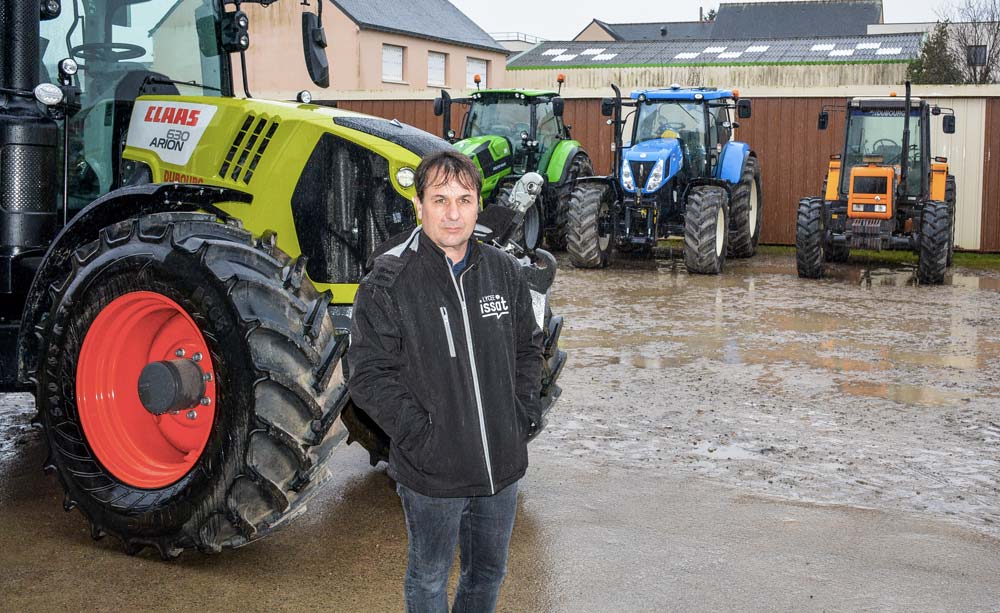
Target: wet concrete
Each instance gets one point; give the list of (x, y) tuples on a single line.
[(747, 441)]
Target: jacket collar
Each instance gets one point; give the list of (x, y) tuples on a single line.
[(427, 246)]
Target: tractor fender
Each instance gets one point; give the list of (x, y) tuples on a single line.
[(559, 162), (731, 163), (118, 205)]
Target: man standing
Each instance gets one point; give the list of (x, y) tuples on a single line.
[(446, 357)]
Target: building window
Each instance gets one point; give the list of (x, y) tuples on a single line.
[(976, 55), (392, 63), (473, 67), (436, 68)]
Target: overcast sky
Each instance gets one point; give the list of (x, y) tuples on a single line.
[(563, 19)]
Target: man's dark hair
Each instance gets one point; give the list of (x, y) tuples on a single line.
[(444, 166)]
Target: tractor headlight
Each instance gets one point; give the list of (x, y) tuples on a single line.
[(656, 176), (858, 208), (405, 177), (627, 181), (48, 94), (880, 208)]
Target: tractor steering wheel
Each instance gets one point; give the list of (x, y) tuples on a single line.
[(110, 52), (676, 126), (884, 142)]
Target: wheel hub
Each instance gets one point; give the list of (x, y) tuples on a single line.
[(171, 385)]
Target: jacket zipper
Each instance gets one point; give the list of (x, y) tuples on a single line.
[(460, 290), (447, 329)]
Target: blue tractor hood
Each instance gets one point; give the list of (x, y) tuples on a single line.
[(642, 157)]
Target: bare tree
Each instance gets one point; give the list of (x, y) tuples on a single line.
[(975, 36)]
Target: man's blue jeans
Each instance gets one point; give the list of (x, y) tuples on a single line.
[(481, 525)]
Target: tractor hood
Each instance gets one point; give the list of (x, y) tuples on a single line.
[(640, 160), (492, 154), (497, 147)]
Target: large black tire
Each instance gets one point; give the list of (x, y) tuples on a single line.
[(706, 235), (529, 234), (555, 236), (278, 383), (950, 191), (810, 238), (591, 228), (745, 211), (935, 239)]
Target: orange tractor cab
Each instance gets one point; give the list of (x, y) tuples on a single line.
[(883, 191)]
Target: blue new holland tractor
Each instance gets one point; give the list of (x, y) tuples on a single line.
[(677, 172)]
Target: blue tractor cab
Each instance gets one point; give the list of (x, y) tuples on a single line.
[(677, 172)]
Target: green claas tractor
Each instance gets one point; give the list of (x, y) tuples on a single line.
[(510, 132), (884, 191), (178, 266)]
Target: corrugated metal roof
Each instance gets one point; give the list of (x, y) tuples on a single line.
[(829, 50), (795, 19), (433, 19), (738, 20)]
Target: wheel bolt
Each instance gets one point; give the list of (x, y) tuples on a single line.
[(192, 414), (205, 401), (196, 357), (206, 377), (180, 353)]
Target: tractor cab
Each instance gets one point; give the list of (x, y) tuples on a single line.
[(114, 52), (676, 131), (507, 131), (873, 158)]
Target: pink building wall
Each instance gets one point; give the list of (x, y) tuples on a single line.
[(276, 66)]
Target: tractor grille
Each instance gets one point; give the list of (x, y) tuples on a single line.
[(640, 172), (248, 147)]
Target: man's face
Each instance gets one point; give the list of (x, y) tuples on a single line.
[(448, 213)]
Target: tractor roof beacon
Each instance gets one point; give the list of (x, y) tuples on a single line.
[(510, 132), (178, 266), (677, 171), (884, 190)]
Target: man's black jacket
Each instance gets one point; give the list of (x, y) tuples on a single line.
[(449, 367)]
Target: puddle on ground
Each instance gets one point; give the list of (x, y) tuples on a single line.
[(902, 393)]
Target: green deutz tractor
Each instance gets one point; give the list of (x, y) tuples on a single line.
[(178, 266), (510, 132)]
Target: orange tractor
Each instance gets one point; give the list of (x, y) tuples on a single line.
[(884, 191)]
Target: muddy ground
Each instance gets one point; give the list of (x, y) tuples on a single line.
[(746, 441), (860, 389)]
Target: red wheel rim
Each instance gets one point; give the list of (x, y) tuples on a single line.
[(139, 448)]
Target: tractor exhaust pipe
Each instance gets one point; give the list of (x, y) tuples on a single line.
[(617, 118), (29, 139), (20, 31), (904, 157)]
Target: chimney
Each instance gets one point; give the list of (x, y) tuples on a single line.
[(701, 13)]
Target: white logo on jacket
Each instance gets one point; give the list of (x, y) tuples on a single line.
[(494, 305)]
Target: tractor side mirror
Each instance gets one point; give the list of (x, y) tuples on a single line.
[(558, 106), (314, 47), (824, 120), (743, 109), (438, 107), (948, 124), (607, 107)]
